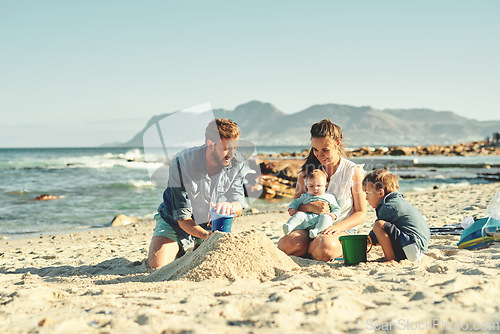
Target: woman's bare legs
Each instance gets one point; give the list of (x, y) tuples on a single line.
[(326, 247), (296, 243)]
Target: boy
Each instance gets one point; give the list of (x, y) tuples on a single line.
[(400, 228), (316, 190)]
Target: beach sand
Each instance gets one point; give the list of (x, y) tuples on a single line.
[(94, 281)]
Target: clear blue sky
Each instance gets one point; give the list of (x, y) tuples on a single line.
[(84, 73)]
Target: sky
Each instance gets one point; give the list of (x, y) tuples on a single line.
[(87, 73)]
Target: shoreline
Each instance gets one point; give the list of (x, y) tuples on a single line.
[(148, 218)]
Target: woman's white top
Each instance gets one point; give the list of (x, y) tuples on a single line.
[(340, 185)]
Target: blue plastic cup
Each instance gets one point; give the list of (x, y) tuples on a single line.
[(222, 223)]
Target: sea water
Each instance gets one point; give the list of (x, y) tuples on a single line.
[(96, 184)]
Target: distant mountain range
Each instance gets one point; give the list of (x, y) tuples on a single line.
[(264, 124)]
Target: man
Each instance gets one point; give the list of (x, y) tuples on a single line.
[(200, 178)]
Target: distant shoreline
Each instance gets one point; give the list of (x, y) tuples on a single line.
[(475, 148)]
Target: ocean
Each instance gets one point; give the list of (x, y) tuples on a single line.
[(96, 184)]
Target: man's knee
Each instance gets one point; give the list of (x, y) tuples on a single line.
[(162, 251)]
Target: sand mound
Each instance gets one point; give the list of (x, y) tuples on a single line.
[(229, 256)]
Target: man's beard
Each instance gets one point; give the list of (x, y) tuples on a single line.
[(220, 162)]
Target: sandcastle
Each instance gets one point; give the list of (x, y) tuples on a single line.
[(229, 256)]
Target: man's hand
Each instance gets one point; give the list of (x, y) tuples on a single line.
[(206, 235), (292, 211), (194, 229), (224, 208)]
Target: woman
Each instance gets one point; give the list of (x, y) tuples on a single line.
[(344, 181)]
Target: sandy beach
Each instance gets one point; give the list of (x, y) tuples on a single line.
[(94, 281)]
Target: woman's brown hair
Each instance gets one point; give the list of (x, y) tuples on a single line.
[(322, 129)]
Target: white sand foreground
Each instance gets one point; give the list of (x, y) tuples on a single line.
[(93, 282)]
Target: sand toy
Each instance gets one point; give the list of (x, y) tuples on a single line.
[(482, 231)]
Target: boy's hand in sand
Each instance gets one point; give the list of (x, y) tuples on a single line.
[(292, 211)]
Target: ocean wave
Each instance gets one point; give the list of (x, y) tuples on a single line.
[(21, 192), (141, 184), (133, 159), (130, 184)]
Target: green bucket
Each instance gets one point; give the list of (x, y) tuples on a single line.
[(354, 248)]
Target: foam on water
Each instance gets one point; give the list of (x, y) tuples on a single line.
[(141, 184), (133, 158)]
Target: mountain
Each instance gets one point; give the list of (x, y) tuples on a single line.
[(263, 124), (255, 119)]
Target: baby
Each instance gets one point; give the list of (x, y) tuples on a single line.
[(400, 228), (316, 191)]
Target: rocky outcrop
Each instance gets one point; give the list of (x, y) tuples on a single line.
[(285, 169), (279, 177), (472, 148), (46, 197), (277, 187)]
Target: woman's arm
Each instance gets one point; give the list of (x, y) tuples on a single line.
[(318, 207), (358, 204)]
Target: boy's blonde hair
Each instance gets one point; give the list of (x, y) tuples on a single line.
[(382, 179), (316, 173)]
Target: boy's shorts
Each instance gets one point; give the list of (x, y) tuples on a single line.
[(394, 234), (164, 229)]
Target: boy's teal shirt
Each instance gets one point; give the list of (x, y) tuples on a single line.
[(395, 210)]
